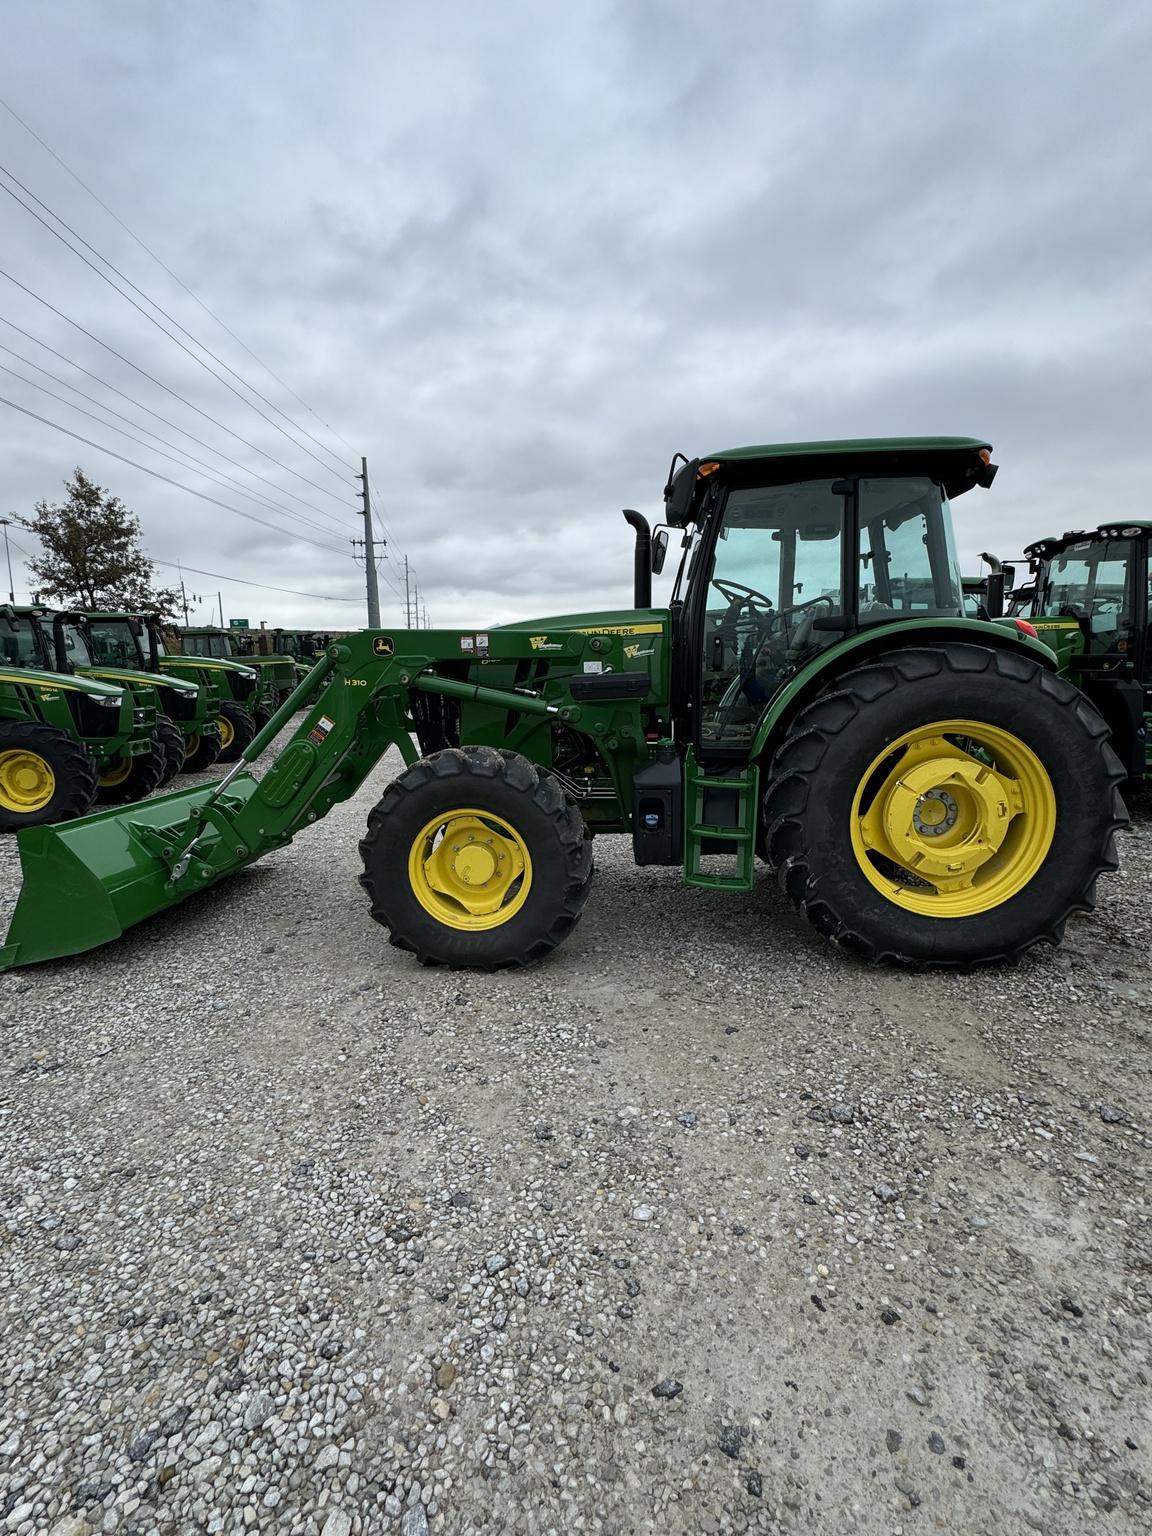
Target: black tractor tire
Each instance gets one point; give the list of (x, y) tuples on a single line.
[(237, 729), (171, 740), (143, 775), (200, 753), (824, 760), (261, 715), (532, 805), (54, 751)]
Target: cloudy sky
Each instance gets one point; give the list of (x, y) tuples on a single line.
[(518, 253)]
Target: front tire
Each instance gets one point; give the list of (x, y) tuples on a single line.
[(45, 775), (950, 806), (200, 752), (237, 728), (132, 778), (473, 859), (171, 740)]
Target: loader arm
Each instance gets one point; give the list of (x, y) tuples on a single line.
[(113, 869)]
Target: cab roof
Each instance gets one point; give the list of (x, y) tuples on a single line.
[(957, 463), (1127, 527)]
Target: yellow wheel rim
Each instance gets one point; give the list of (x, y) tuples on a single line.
[(953, 818), (226, 731), (191, 746), (27, 782), (470, 870), (118, 772)]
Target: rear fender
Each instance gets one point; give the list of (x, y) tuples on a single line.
[(819, 673)]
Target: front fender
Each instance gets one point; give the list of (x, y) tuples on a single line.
[(815, 675)]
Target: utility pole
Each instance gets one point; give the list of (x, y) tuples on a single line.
[(220, 600), (184, 602), (369, 552), (7, 522), (415, 605), (407, 598)]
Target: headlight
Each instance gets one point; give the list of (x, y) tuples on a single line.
[(109, 700), (140, 716), (247, 673)]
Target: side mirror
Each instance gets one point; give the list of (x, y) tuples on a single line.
[(659, 550), (679, 491)]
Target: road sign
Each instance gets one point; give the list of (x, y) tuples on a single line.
[(237, 623)]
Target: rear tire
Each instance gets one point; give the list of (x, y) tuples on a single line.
[(171, 740), (45, 775), (261, 715), (822, 827), (237, 728), (132, 778), (497, 800)]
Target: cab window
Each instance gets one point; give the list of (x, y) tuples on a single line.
[(907, 560), (775, 572), (1089, 582)]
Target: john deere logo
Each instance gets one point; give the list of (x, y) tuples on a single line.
[(384, 645), (542, 643)]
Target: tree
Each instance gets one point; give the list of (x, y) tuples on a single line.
[(91, 555)]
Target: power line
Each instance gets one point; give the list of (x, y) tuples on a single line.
[(209, 469), (155, 473), (180, 283), (324, 597), (55, 233), (206, 468), (140, 406), (153, 380)]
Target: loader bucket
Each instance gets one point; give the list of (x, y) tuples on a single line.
[(85, 881)]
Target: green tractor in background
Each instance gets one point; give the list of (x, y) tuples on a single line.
[(230, 685), (303, 646), (925, 787), (60, 734), (1089, 601), (276, 675), (190, 698), (61, 645)]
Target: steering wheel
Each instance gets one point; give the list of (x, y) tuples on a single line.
[(738, 594)]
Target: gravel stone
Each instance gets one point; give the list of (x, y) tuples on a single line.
[(284, 1154)]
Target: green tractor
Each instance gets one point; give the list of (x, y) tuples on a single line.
[(1089, 601), (304, 647), (234, 683), (276, 675), (61, 645), (925, 787), (60, 735), (189, 696)]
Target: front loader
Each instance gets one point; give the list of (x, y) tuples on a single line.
[(924, 786)]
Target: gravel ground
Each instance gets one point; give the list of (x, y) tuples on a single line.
[(700, 1226)]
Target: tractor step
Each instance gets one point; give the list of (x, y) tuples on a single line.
[(721, 810)]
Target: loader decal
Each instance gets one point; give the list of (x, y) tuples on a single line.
[(624, 629), (384, 645)]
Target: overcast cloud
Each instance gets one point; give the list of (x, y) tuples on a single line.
[(519, 253)]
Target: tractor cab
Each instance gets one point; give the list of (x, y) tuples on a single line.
[(1090, 602), (793, 549)]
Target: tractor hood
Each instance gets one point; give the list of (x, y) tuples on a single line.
[(208, 664), (65, 682), (629, 621), (130, 676)]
